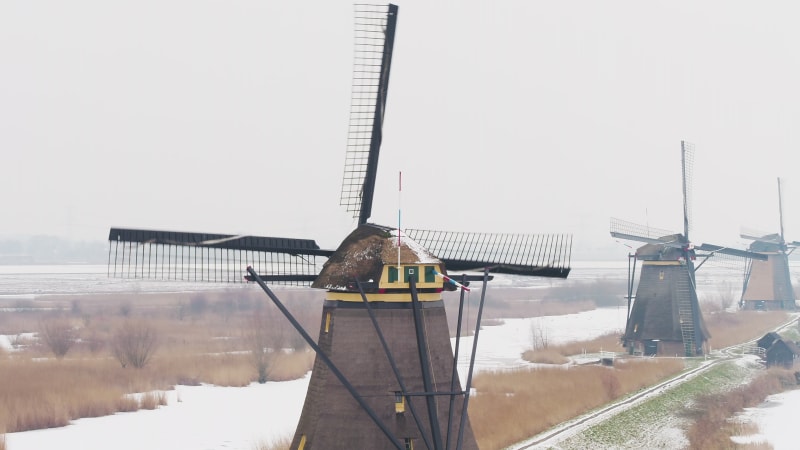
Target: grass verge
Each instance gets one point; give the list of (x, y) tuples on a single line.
[(648, 424)]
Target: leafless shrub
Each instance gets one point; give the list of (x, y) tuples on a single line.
[(58, 335), (539, 338), (722, 300), (152, 400), (134, 343), (264, 336)]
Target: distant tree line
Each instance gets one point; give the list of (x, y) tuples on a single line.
[(51, 250)]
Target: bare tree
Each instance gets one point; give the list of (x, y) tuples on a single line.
[(134, 343), (539, 338), (58, 335), (264, 337)]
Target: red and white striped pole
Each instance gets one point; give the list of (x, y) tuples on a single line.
[(399, 215)]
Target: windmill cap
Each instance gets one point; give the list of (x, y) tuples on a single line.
[(364, 253)]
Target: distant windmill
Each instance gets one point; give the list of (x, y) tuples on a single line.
[(768, 284), (664, 316), (385, 373)]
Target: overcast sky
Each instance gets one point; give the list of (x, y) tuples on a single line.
[(506, 116)]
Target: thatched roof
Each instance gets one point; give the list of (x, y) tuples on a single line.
[(363, 254), (661, 251)]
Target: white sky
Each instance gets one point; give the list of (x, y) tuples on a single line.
[(507, 116)]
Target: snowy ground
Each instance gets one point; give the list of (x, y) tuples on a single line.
[(210, 417), (196, 417), (776, 419), (501, 347)]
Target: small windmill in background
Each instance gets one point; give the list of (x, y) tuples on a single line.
[(664, 316), (385, 373), (768, 283)]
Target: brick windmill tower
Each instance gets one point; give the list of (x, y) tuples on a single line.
[(768, 284), (385, 373), (664, 317)]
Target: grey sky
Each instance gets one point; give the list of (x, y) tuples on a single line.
[(508, 116)]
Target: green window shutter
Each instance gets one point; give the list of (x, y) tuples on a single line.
[(412, 271), (430, 276), (392, 274)]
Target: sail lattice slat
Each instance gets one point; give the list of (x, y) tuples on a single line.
[(624, 228), (206, 257), (545, 255), (370, 82)]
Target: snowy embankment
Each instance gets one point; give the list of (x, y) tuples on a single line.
[(776, 418)]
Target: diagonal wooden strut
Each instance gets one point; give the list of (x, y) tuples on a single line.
[(335, 370)]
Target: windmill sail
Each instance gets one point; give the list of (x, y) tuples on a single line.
[(374, 41), (221, 258), (355, 399), (520, 254)]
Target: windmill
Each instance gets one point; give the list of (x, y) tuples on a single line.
[(385, 372), (664, 316), (768, 284)]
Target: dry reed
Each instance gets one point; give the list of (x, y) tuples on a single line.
[(728, 329), (557, 354), (281, 443), (200, 341), (711, 427), (512, 406)]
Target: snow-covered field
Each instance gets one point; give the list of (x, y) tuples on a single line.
[(195, 417), (210, 417)]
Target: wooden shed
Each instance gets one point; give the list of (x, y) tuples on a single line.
[(768, 339), (782, 353)]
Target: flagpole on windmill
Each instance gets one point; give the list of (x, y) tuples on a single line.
[(399, 215)]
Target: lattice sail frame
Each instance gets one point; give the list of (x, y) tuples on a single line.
[(546, 255), (624, 230), (374, 39), (687, 168), (206, 257)]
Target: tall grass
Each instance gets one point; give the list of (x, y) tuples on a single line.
[(512, 406), (557, 354), (727, 328), (201, 340)]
